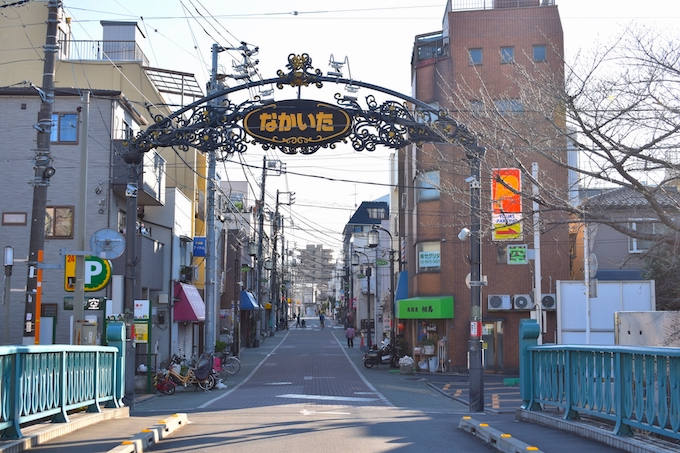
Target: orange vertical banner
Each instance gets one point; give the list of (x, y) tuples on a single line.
[(506, 183)]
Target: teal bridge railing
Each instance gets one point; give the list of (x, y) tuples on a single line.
[(633, 387), (39, 382)]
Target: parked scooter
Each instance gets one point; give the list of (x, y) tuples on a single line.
[(386, 355)]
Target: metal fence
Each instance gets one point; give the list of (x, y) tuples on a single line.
[(102, 50), (632, 387), (463, 5), (38, 382)]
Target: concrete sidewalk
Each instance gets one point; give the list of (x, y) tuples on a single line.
[(511, 431)]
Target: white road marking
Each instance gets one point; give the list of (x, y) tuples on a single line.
[(279, 383), (325, 397), (306, 412)]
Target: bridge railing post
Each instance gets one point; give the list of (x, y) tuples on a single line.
[(528, 336), (115, 335)]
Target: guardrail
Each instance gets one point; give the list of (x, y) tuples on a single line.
[(38, 382), (633, 387)]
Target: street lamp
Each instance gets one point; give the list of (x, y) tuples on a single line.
[(355, 262), (252, 248), (374, 241), (9, 262)]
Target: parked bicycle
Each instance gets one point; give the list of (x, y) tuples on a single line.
[(201, 375), (226, 365)]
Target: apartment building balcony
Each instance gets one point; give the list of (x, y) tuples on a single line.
[(102, 50)]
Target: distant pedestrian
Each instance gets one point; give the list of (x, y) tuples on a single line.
[(349, 333), (321, 320), (297, 324)]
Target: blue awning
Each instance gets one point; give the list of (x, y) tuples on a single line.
[(248, 301), (402, 286)]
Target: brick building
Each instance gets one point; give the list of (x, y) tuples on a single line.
[(480, 46)]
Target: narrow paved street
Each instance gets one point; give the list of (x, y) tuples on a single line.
[(309, 393)]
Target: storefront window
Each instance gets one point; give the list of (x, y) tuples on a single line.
[(429, 256)]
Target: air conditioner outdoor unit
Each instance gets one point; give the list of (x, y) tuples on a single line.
[(548, 302), (523, 302), (499, 302), (188, 274)]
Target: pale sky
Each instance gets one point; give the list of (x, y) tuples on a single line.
[(375, 36)]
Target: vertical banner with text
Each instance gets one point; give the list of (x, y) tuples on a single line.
[(506, 184)]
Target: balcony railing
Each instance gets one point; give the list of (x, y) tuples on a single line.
[(463, 5), (102, 50)]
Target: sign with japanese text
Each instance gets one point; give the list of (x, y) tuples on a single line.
[(142, 312), (429, 259), (199, 246), (97, 273), (517, 254), (298, 122), (425, 308), (89, 303)]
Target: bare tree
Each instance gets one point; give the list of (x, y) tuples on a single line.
[(617, 109)]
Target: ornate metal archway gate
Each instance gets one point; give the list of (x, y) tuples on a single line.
[(220, 128)]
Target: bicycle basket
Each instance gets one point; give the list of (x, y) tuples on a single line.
[(205, 363)]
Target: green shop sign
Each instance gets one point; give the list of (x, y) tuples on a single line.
[(440, 307)]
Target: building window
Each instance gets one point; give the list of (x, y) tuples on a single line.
[(640, 245), (540, 54), (429, 256), (509, 106), (432, 46), (59, 222), (476, 108), (14, 218), (507, 55), (427, 186), (376, 213), (475, 56), (64, 128)]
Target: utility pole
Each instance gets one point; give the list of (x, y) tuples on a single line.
[(81, 225), (276, 224), (474, 155), (210, 243), (133, 160), (537, 254), (43, 172), (260, 234)]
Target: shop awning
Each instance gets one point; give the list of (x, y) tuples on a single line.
[(248, 301), (438, 307), (190, 307), (402, 286)]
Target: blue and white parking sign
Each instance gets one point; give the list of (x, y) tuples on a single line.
[(199, 246)]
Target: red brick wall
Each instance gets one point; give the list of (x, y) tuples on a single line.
[(442, 220)]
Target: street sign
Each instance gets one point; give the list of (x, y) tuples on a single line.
[(97, 273), (506, 227), (200, 246), (89, 303), (517, 254), (381, 262)]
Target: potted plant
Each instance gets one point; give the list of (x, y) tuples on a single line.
[(220, 347), (406, 365), (428, 345)]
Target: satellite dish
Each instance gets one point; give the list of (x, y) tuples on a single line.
[(107, 243)]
